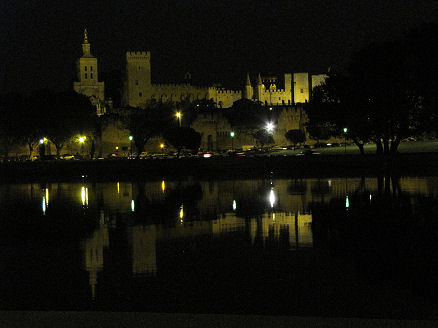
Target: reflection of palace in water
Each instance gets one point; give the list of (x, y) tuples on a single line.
[(260, 210)]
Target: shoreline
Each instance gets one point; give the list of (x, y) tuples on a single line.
[(221, 168)]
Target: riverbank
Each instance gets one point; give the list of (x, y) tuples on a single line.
[(221, 168)]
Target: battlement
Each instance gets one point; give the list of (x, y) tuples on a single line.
[(132, 55), (275, 91), (230, 92), (225, 91)]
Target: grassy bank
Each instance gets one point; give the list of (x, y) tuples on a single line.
[(217, 168)]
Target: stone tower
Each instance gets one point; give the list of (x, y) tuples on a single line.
[(248, 91), (87, 76), (138, 86)]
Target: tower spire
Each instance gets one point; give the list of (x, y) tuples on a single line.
[(248, 81), (259, 80), (85, 36), (86, 45)]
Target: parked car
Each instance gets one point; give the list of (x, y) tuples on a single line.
[(308, 152), (67, 157), (48, 158)]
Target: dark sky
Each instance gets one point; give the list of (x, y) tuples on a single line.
[(215, 40)]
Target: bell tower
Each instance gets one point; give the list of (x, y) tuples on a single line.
[(87, 75)]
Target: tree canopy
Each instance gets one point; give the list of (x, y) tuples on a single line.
[(386, 96)]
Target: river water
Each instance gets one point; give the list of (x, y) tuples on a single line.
[(351, 247)]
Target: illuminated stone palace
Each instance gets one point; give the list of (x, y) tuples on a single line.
[(279, 92), (138, 87)]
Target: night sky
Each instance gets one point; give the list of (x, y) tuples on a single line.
[(217, 41)]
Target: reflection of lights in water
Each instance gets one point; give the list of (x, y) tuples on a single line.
[(272, 197), (234, 205), (370, 197), (181, 212), (118, 187), (347, 202), (47, 197), (44, 205), (163, 186), (132, 206), (84, 196)]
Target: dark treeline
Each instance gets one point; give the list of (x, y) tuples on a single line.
[(388, 94)]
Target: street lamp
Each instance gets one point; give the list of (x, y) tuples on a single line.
[(162, 147), (345, 139), (232, 140), (269, 126), (130, 139), (178, 116), (82, 140)]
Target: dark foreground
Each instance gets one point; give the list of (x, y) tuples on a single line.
[(151, 320), (303, 166)]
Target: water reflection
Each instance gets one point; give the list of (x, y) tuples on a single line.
[(141, 230)]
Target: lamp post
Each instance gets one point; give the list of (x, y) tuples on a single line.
[(130, 151), (345, 140), (178, 116), (81, 141), (162, 148), (232, 140)]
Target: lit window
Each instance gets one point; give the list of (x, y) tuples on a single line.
[(140, 94), (91, 75), (85, 75), (85, 68)]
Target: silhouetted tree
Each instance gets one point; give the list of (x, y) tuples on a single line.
[(183, 138), (263, 137), (66, 115), (148, 122), (10, 128), (295, 137)]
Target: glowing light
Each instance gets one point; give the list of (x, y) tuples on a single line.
[(81, 139), (47, 197), (84, 196), (273, 216), (345, 130), (131, 137), (270, 126), (162, 146), (178, 114), (330, 183), (181, 212), (234, 205), (132, 206), (43, 205), (118, 187), (232, 134), (41, 141), (347, 202), (370, 197), (163, 186), (272, 197)]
